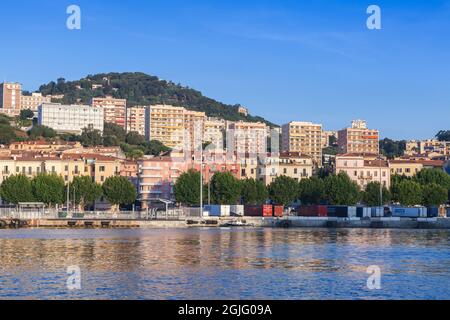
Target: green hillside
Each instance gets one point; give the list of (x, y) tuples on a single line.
[(142, 89)]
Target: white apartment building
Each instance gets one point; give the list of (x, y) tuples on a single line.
[(247, 138), (70, 118)]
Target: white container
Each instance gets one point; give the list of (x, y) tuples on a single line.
[(352, 212), (377, 212), (218, 210)]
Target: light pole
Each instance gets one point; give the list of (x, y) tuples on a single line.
[(381, 185)]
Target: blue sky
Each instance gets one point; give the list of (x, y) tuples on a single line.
[(285, 60)]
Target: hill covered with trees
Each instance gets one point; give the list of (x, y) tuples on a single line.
[(142, 89)]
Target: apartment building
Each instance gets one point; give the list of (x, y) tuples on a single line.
[(326, 136), (290, 164), (34, 101), (70, 118), (158, 175), (10, 98), (428, 148), (194, 124), (68, 166), (136, 120), (247, 138), (214, 132), (358, 139), (114, 110), (42, 146), (410, 167), (304, 138), (165, 124), (363, 170)]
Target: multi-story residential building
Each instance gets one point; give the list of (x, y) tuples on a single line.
[(194, 124), (34, 101), (70, 118), (247, 138), (410, 167), (290, 164), (326, 136), (68, 166), (10, 98), (358, 139), (114, 110), (158, 175), (428, 148), (214, 132), (165, 124), (304, 138), (136, 120), (364, 170)]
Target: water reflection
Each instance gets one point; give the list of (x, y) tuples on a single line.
[(225, 264)]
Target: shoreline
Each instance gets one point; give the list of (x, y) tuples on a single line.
[(254, 222)]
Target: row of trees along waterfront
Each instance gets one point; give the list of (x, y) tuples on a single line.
[(430, 187), (51, 190)]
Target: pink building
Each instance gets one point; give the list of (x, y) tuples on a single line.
[(157, 175)]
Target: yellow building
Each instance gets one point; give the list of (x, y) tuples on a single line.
[(214, 132), (304, 138), (165, 124), (247, 138)]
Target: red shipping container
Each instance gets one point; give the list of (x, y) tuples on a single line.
[(258, 211), (278, 211), (313, 211)]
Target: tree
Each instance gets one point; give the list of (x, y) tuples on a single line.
[(225, 188), (391, 148), (7, 134), (253, 192), (135, 139), (48, 188), (26, 114), (407, 192), (433, 176), (434, 195), (15, 189), (91, 138), (312, 191), (85, 190), (443, 135), (113, 130), (39, 131), (371, 196), (135, 154), (119, 191), (155, 148), (187, 188), (341, 190), (283, 190)]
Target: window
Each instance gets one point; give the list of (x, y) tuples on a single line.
[(101, 168)]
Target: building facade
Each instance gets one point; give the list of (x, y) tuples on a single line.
[(364, 170), (305, 138), (247, 138), (70, 118), (10, 98), (136, 120), (34, 101), (114, 110), (358, 139)]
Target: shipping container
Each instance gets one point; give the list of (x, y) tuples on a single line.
[(432, 212), (218, 210), (237, 210), (363, 212), (313, 211), (342, 211), (376, 212), (258, 211), (278, 211), (409, 212)]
